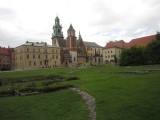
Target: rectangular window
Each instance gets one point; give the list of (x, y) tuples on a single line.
[(39, 56), (33, 56), (27, 56), (56, 56), (34, 63), (40, 62), (30, 63), (46, 56), (27, 50), (53, 56)]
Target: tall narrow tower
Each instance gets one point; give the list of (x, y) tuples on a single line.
[(80, 46), (71, 43), (57, 32)]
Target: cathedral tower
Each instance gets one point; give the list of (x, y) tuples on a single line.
[(80, 46), (57, 32), (71, 43)]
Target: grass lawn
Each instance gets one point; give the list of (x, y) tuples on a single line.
[(61, 105), (119, 95)]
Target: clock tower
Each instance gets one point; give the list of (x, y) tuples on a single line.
[(57, 32)]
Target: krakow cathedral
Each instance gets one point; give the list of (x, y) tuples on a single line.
[(74, 50)]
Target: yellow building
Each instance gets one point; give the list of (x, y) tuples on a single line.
[(34, 55), (111, 55), (94, 52)]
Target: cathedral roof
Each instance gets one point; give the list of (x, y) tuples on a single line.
[(71, 28), (62, 42), (92, 44)]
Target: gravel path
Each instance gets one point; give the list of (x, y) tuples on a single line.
[(90, 101)]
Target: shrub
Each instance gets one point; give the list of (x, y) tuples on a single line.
[(28, 89), (55, 77), (54, 88), (31, 84), (47, 83)]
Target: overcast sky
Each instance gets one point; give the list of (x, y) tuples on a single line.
[(98, 20)]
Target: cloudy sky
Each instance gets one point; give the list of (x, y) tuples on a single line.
[(99, 21)]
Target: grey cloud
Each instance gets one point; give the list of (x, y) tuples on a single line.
[(7, 39), (6, 13), (126, 23)]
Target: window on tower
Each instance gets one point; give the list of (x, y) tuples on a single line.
[(58, 31)]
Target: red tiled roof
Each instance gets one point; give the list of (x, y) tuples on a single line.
[(143, 41), (5, 51), (120, 44)]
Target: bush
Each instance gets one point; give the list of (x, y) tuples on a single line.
[(54, 77), (32, 84), (53, 88), (29, 87), (47, 83)]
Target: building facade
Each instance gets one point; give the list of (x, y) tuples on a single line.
[(112, 50), (6, 58), (94, 52), (74, 50), (34, 55), (112, 55)]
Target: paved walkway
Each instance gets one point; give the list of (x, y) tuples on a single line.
[(90, 101)]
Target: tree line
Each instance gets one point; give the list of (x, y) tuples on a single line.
[(138, 55)]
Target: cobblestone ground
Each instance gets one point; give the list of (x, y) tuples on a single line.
[(90, 101)]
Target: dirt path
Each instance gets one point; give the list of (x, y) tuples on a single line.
[(90, 101)]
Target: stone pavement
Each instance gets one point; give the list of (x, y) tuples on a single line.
[(90, 101)]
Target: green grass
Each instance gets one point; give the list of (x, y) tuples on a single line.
[(61, 105), (119, 96)]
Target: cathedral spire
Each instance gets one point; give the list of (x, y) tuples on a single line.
[(57, 28), (71, 31), (79, 35)]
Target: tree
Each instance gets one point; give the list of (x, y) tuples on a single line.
[(142, 55), (154, 52), (133, 56)]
